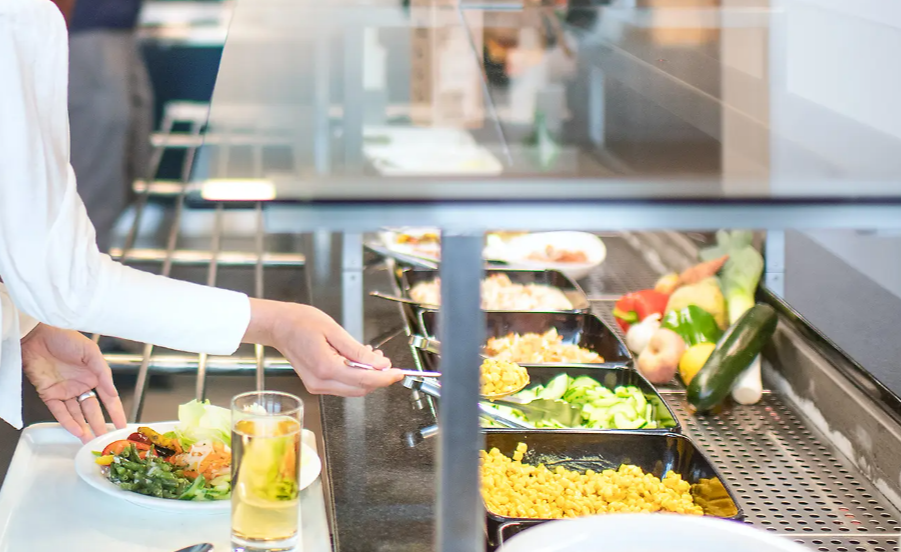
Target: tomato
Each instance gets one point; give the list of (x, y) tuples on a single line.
[(117, 447), (139, 438)]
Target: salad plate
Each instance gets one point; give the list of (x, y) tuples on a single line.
[(211, 498)]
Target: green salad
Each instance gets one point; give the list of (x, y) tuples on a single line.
[(625, 407)]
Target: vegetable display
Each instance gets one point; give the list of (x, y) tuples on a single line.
[(739, 278), (625, 407), (694, 325), (634, 307), (706, 295), (733, 354), (193, 462), (660, 360)]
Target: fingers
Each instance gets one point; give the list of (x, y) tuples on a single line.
[(94, 414), (61, 414), (75, 413), (323, 371), (106, 390), (348, 347)]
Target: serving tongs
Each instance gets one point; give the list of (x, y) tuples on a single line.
[(536, 410), (433, 389), (432, 345), (397, 299), (404, 371)]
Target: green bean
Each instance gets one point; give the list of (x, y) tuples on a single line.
[(133, 466)]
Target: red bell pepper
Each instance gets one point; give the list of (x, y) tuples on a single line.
[(634, 307)]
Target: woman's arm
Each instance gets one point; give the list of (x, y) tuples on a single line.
[(48, 254), (49, 258)]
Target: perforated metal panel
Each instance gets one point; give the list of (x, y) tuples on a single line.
[(788, 477), (868, 543), (623, 270)]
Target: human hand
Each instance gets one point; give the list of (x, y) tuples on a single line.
[(316, 346), (63, 364)]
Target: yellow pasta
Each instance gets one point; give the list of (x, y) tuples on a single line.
[(501, 377), (513, 489)]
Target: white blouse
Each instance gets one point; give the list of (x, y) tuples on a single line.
[(49, 261)]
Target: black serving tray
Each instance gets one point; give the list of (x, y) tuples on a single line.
[(656, 453), (407, 277), (580, 328), (609, 377)]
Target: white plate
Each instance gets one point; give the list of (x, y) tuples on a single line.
[(495, 246), (89, 471), (647, 533), (518, 250)]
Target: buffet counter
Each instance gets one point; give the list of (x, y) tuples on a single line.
[(786, 459)]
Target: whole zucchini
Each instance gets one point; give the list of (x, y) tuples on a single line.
[(734, 352)]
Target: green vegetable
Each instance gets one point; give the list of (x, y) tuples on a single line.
[(555, 389), (199, 421), (741, 274), (733, 354), (694, 324), (625, 407), (706, 294), (148, 476)]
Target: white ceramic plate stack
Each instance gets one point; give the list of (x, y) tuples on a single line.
[(88, 469)]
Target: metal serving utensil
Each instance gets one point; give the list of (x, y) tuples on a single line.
[(433, 389), (202, 547), (432, 345), (406, 372), (408, 258), (538, 410), (397, 299)]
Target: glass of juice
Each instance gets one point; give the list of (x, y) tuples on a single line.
[(266, 433)]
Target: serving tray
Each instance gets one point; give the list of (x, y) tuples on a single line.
[(45, 507)]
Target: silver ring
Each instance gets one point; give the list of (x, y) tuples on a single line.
[(86, 395)]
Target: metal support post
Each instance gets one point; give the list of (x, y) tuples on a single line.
[(352, 285), (774, 254), (462, 328)]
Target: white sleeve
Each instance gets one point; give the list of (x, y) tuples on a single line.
[(15, 326), (49, 259)]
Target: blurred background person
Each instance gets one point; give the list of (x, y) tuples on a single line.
[(110, 106)]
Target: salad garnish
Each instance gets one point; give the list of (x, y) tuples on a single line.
[(193, 462)]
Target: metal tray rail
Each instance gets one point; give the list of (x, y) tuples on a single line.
[(178, 114)]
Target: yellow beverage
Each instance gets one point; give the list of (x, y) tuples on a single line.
[(265, 475)]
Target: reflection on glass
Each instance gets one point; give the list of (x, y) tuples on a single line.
[(713, 98)]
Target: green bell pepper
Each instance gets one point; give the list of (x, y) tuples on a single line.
[(694, 324)]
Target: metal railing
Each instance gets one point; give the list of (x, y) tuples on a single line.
[(214, 258)]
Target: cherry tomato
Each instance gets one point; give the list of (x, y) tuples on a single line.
[(117, 447)]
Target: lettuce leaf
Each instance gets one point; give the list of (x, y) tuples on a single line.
[(198, 421)]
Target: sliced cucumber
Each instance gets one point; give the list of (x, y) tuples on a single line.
[(583, 381), (621, 421), (555, 388)]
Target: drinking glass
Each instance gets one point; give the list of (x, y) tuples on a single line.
[(266, 434)]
